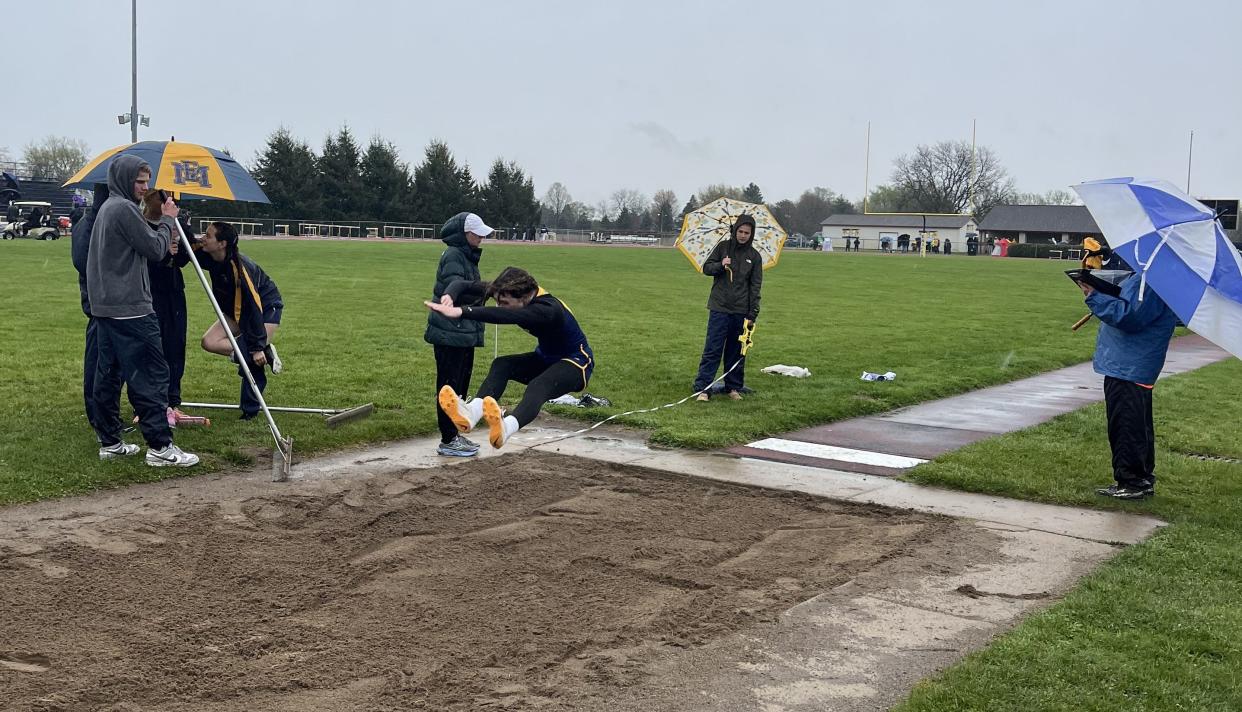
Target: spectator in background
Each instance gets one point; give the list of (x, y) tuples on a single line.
[(857, 243), (78, 211), (35, 219), (119, 290), (948, 246)]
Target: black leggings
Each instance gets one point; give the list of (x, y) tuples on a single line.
[(454, 364), (543, 382)]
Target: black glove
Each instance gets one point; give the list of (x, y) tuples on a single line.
[(752, 318)]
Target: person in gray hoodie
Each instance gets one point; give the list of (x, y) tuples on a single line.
[(119, 291)]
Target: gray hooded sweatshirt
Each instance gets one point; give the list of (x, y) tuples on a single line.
[(121, 244)]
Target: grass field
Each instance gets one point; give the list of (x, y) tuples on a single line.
[(1159, 628), (353, 326)]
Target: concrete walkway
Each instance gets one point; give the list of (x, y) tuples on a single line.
[(889, 443)]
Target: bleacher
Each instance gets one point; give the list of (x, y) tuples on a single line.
[(49, 192)]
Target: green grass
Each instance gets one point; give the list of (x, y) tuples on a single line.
[(1159, 627), (1156, 629), (353, 326)]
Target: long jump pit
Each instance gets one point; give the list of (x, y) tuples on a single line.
[(536, 580)]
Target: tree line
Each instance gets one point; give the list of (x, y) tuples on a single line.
[(344, 181)]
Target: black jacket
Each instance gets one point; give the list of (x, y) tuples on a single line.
[(459, 261), (256, 294), (735, 289), (165, 274), (80, 248), (546, 318)]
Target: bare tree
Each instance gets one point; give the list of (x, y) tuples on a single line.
[(947, 178), (628, 200), (719, 190), (55, 157), (603, 211), (664, 209), (555, 201)]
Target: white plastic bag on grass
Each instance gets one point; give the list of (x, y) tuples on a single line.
[(783, 370)]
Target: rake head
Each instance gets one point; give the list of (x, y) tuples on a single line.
[(348, 416)]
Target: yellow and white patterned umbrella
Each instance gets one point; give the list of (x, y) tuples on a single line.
[(704, 228)]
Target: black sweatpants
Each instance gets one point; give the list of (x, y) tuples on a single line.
[(90, 363), (130, 352), (170, 312), (543, 382), (454, 365), (1131, 432)]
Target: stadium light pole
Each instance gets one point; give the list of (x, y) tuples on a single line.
[(133, 107)]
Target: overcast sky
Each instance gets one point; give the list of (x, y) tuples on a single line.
[(664, 94)]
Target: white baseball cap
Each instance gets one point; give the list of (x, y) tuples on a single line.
[(475, 224)]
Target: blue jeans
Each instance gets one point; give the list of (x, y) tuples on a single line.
[(722, 332)]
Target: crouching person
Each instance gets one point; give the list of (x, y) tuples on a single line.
[(251, 304), (561, 363), (128, 334)]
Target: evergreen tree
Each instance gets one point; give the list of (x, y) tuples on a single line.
[(286, 170), (752, 194), (340, 178), (508, 197), (441, 187), (691, 205), (388, 188)]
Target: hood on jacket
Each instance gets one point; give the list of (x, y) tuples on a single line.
[(122, 173), (453, 234), (743, 219)]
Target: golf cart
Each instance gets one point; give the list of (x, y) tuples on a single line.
[(32, 219)]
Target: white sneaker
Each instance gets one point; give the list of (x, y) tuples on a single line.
[(171, 456), (464, 413), (500, 427), (120, 449)]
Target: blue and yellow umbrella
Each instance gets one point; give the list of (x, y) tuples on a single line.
[(186, 169)]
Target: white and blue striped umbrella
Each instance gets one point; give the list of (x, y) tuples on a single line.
[(1178, 247)]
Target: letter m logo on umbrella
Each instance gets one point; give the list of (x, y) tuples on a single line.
[(186, 172)]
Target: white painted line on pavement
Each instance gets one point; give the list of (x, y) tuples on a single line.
[(832, 452)]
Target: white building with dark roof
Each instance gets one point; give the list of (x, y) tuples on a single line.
[(1039, 223), (871, 229)]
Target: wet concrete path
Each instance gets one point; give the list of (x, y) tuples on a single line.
[(889, 443)]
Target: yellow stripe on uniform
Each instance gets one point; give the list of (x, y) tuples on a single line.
[(581, 367), (237, 293)]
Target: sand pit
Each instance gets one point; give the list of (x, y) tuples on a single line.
[(531, 581)]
